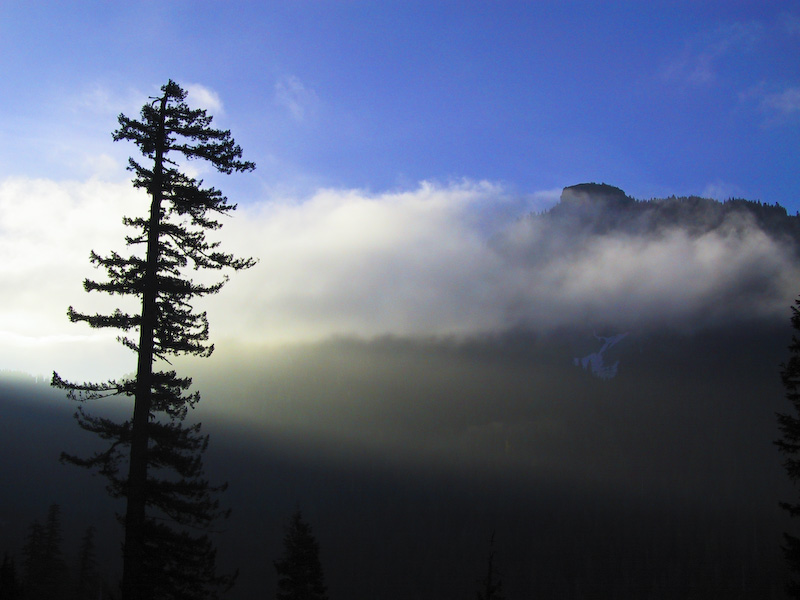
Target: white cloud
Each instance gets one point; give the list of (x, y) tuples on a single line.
[(101, 101), (778, 106), (299, 100), (200, 96), (409, 263), (344, 261), (699, 62), (721, 190), (103, 165), (419, 262), (785, 103), (48, 230), (691, 69)]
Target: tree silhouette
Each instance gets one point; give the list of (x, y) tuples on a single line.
[(299, 570), (490, 586), (33, 558), (168, 498), (45, 570), (87, 581), (789, 444)]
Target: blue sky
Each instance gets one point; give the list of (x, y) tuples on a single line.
[(657, 98), (391, 140)]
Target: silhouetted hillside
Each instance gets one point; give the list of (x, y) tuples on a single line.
[(601, 208)]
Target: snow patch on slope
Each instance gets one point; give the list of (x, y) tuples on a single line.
[(595, 362)]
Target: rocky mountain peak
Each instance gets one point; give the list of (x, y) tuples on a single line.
[(584, 194)]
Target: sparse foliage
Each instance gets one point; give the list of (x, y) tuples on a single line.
[(168, 498)]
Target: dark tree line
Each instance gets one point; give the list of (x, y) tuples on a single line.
[(44, 573), (154, 459), (300, 574)]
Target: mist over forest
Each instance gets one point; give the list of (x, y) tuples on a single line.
[(607, 411)]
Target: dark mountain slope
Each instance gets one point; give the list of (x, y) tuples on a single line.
[(662, 481), (600, 208)]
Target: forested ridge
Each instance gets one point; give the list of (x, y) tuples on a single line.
[(602, 208)]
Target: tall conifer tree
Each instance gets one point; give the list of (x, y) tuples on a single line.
[(168, 497)]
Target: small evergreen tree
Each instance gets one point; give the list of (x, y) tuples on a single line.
[(56, 577), (87, 581), (46, 574), (33, 558), (299, 570), (789, 444), (168, 499)]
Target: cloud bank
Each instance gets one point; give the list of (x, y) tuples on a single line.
[(47, 230), (437, 260), (450, 260)]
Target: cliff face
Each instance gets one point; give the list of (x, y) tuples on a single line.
[(585, 194), (596, 207)]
